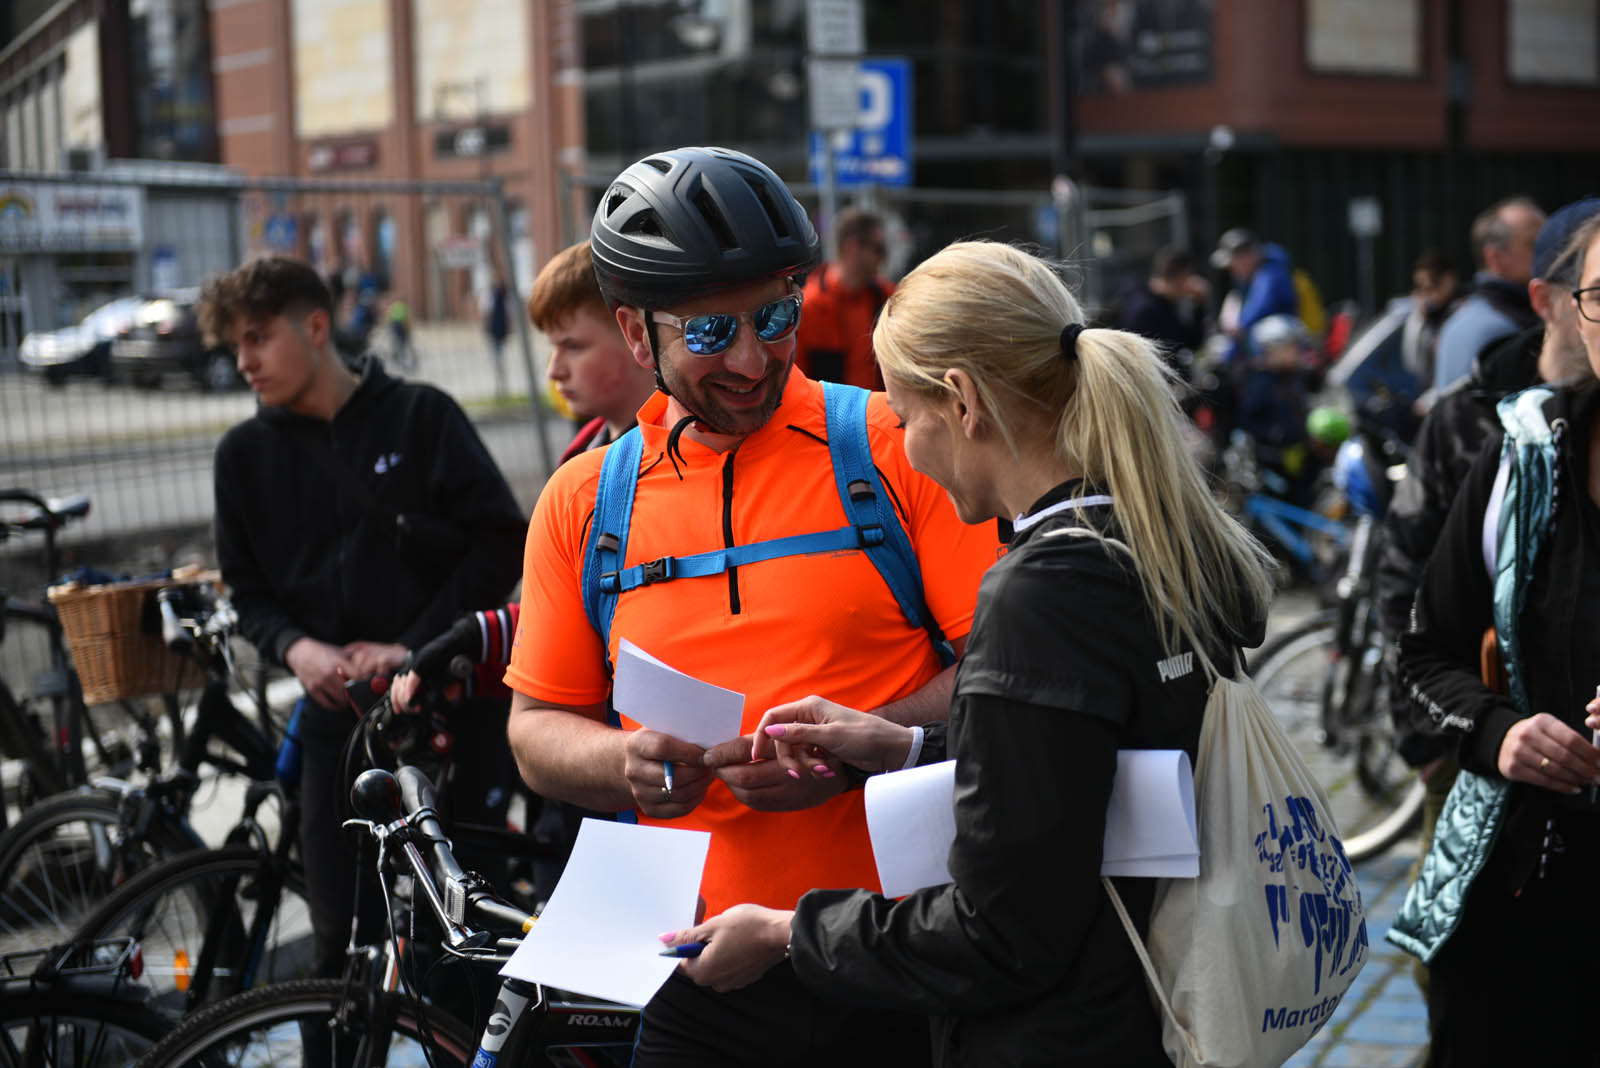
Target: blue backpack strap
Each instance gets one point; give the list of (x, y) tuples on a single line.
[(872, 512), (608, 542), (608, 531)]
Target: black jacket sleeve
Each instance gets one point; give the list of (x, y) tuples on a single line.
[(1026, 862), (262, 619), (465, 487), (935, 747), (1439, 654), (1411, 529)]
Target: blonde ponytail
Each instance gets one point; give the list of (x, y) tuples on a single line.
[(998, 313)]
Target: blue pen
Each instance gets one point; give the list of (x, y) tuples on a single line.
[(688, 949), (667, 771)]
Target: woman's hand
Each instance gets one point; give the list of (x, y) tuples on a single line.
[(793, 732), (1543, 751), (742, 945)]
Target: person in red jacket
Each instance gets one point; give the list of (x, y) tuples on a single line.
[(842, 302)]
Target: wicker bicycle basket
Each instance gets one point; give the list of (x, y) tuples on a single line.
[(115, 637)]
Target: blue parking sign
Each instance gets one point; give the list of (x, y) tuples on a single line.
[(878, 150)]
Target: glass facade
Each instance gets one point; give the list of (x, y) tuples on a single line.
[(659, 73), (174, 105)]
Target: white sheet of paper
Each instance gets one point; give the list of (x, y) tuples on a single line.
[(911, 817), (662, 698), (1150, 821), (623, 886)]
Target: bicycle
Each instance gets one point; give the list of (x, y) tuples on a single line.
[(44, 720), (1315, 542), (67, 853), (1322, 678), (74, 1005), (213, 923), (374, 1016)]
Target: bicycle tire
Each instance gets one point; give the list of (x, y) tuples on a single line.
[(1372, 812), (67, 854), (275, 1021), (86, 1027), (173, 907)]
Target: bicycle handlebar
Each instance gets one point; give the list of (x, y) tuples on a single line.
[(404, 804)]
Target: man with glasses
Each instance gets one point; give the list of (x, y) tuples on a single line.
[(843, 300), (702, 252)]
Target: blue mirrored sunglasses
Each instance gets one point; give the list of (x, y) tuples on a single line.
[(708, 335)]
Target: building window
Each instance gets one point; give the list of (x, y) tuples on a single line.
[(383, 262), (1372, 37), (1553, 42)]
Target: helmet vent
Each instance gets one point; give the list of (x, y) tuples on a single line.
[(616, 198), (779, 225), (646, 223), (664, 166), (716, 220)]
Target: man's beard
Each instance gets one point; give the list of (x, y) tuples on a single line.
[(702, 402)]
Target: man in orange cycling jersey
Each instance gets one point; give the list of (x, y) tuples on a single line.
[(701, 252)]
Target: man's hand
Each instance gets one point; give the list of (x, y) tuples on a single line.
[(768, 785), (1543, 751), (645, 755), (375, 658), (322, 669)]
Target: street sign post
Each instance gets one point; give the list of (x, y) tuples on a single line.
[(876, 150), (835, 38)]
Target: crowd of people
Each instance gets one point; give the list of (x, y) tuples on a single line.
[(1062, 540)]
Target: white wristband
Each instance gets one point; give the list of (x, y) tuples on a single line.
[(916, 749)]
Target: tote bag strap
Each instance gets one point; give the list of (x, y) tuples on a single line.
[(1150, 968)]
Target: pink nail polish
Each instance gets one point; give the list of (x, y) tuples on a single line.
[(776, 730), (793, 774), (667, 936), (820, 769), (830, 774)]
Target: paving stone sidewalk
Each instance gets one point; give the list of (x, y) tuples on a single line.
[(1383, 1022)]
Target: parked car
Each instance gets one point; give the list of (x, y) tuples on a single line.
[(83, 349), (165, 337)]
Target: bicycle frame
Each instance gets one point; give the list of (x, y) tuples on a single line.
[(1284, 521), (524, 1022)]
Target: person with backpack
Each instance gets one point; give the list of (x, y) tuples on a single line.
[(1123, 578), (1503, 655), (762, 532)]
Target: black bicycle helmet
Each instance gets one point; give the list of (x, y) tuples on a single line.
[(678, 225)]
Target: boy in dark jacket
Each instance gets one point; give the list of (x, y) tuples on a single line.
[(356, 516)]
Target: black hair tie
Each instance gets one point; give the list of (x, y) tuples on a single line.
[(1069, 340)]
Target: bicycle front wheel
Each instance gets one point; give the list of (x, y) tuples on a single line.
[(311, 1022), (209, 924), (65, 856), (1374, 799)]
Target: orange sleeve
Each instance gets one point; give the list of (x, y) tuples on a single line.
[(953, 555), (557, 655)]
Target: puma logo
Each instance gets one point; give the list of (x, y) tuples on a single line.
[(1175, 667), (387, 462)]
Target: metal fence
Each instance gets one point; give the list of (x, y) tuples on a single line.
[(139, 440)]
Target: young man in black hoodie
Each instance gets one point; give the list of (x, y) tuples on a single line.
[(356, 516)]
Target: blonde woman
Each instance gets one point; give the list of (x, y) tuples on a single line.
[(1121, 563)]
